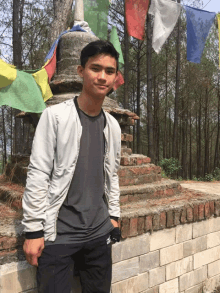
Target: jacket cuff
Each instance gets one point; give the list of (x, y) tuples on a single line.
[(34, 235), (114, 218)]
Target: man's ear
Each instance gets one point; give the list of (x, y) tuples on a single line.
[(80, 70)]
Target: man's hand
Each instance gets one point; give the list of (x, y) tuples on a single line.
[(114, 223), (33, 249)]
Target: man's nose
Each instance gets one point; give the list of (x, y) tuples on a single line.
[(102, 74)]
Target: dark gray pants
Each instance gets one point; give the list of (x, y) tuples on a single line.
[(92, 259)]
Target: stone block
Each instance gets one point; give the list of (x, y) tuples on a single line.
[(207, 256), (160, 239), (214, 268), (132, 247), (211, 284), (171, 253), (213, 239), (178, 268), (193, 246), (169, 287), (183, 233), (116, 252), (193, 278), (152, 290), (200, 228), (132, 285), (125, 269), (195, 289), (149, 261), (156, 276)]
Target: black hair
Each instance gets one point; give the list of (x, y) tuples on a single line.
[(96, 48)]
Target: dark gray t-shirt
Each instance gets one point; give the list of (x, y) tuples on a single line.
[(84, 215)]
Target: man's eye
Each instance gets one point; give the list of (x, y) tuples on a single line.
[(110, 72), (95, 69)]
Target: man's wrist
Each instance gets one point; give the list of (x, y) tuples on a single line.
[(34, 235)]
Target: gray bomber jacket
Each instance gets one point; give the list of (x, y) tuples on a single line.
[(53, 159)]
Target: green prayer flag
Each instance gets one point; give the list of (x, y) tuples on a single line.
[(23, 94), (114, 39), (96, 14)]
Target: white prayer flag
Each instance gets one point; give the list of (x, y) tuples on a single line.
[(166, 14)]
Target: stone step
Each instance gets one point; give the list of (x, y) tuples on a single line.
[(158, 189), (139, 174), (11, 194), (134, 160)]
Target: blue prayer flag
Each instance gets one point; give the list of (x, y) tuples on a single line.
[(199, 23)]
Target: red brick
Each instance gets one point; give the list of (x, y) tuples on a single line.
[(122, 137), (163, 219), (140, 225), (124, 161), (8, 242), (148, 223), (17, 204), (122, 173), (176, 217), (183, 216), (170, 219), (156, 222), (217, 208), (125, 227), (207, 212), (169, 192), (201, 211), (139, 161), (146, 160), (126, 151), (133, 227), (212, 208), (189, 214), (196, 213), (123, 199)]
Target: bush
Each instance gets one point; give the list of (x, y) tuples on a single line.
[(170, 166)]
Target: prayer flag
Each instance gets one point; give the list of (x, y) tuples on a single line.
[(219, 36), (166, 14), (135, 12), (96, 14), (199, 23), (119, 81), (50, 65), (23, 94), (41, 79), (8, 73)]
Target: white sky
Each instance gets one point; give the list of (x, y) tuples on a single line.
[(212, 6)]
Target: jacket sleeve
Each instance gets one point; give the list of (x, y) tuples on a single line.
[(114, 194), (34, 201)]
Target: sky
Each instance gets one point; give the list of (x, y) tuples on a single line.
[(212, 6)]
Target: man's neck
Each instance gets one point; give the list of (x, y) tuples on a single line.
[(90, 105)]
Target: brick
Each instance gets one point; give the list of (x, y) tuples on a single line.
[(207, 256), (8, 242), (170, 254), (207, 212), (140, 225), (126, 151), (176, 217), (212, 208), (125, 269), (149, 261), (195, 289), (201, 211), (156, 222), (124, 161), (193, 278), (170, 219), (134, 284), (133, 227), (183, 233), (148, 223), (163, 238), (163, 220), (178, 268), (196, 213), (214, 268), (146, 160), (193, 246), (169, 287), (169, 192), (123, 199), (125, 227), (213, 239), (183, 216), (156, 276), (136, 246), (217, 208), (189, 214)]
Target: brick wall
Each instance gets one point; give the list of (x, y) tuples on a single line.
[(184, 259)]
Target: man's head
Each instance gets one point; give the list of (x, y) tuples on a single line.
[(97, 48), (99, 66)]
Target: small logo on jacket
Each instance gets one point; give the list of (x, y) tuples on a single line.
[(108, 240)]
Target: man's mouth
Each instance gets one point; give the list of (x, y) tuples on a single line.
[(101, 86)]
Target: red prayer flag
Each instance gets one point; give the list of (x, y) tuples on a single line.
[(51, 65), (119, 81), (136, 11)]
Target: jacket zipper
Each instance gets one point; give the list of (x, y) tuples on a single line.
[(105, 188)]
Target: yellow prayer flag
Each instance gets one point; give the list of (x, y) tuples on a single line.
[(41, 79), (8, 73), (218, 16)]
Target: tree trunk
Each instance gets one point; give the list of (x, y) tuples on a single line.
[(126, 64), (4, 139), (138, 96)]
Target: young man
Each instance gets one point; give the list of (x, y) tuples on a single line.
[(71, 200)]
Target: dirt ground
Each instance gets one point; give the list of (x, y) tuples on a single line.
[(208, 187)]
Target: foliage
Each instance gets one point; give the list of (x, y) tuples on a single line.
[(170, 166)]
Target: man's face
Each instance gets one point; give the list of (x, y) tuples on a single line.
[(99, 75)]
